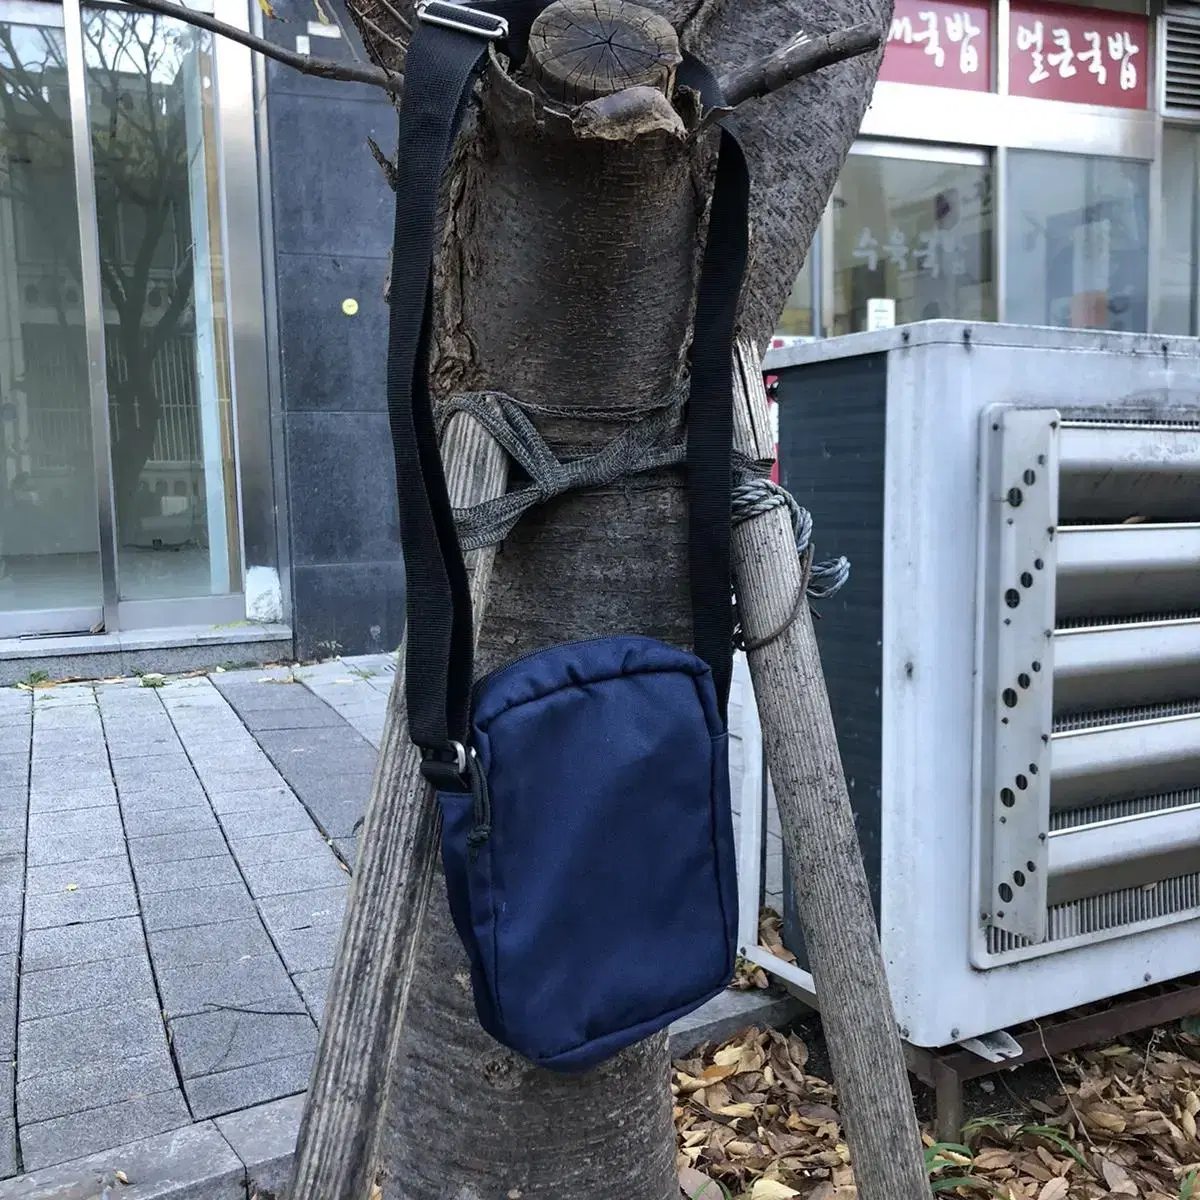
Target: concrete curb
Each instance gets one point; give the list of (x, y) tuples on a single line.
[(247, 1155), (192, 1163)]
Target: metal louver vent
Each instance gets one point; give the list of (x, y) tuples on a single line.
[(1181, 85), (1110, 819), (1096, 914)]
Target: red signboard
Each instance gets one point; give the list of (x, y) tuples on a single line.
[(1083, 55), (940, 44)]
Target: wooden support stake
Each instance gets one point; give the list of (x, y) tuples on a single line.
[(818, 827), (397, 849)]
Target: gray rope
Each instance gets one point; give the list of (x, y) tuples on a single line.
[(648, 444), (756, 496), (651, 441)]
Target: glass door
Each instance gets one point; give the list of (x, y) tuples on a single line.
[(151, 110), (1078, 241), (118, 482), (910, 230), (50, 561)]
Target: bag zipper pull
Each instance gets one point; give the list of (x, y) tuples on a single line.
[(482, 803)]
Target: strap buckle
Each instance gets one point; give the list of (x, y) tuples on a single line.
[(463, 18), (445, 771)]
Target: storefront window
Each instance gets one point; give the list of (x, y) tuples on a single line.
[(1177, 308), (1077, 241), (796, 319), (912, 238)]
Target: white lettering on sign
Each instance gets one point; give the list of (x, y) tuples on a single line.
[(1121, 49), (1064, 60), (1094, 57), (929, 35), (867, 249), (926, 253), (960, 30), (1032, 39), (933, 251)]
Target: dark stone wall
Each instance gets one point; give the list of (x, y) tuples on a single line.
[(333, 215)]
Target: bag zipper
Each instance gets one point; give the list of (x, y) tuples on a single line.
[(480, 793), (481, 804)]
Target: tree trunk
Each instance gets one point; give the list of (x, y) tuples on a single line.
[(566, 278), (389, 894)]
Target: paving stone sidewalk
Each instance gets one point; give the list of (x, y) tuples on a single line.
[(174, 862)]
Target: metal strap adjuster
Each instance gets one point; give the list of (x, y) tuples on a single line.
[(463, 19), (446, 768)]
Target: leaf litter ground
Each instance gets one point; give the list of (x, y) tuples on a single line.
[(754, 1124), (752, 1121)]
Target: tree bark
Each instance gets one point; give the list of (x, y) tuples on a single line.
[(389, 895), (566, 278), (582, 238), (830, 884)]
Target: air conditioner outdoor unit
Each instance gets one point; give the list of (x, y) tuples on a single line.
[(1014, 666)]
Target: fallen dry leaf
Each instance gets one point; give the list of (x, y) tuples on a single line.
[(1117, 1178), (1056, 1189), (1105, 1118), (994, 1160), (736, 1110), (695, 1185), (717, 1072), (771, 1189)]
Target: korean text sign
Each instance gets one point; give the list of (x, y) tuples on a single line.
[(940, 44), (1081, 55)]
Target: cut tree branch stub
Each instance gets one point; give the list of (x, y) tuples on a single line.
[(801, 56), (324, 68)]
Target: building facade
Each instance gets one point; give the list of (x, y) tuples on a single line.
[(1021, 161), (194, 452), (195, 462)]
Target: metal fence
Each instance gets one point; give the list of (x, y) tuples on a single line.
[(59, 428)]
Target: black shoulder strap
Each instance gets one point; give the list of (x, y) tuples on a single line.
[(447, 52)]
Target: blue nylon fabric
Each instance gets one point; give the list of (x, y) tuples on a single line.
[(603, 904)]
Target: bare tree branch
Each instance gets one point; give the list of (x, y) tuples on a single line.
[(381, 35), (324, 68), (801, 56)]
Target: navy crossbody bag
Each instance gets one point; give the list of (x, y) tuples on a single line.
[(587, 837)]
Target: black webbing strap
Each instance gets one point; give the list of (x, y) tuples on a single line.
[(710, 404), (446, 54), (440, 68)]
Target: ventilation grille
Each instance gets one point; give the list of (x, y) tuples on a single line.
[(1116, 910), (1100, 622), (1181, 92), (1124, 565), (1125, 716), (1075, 817)]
